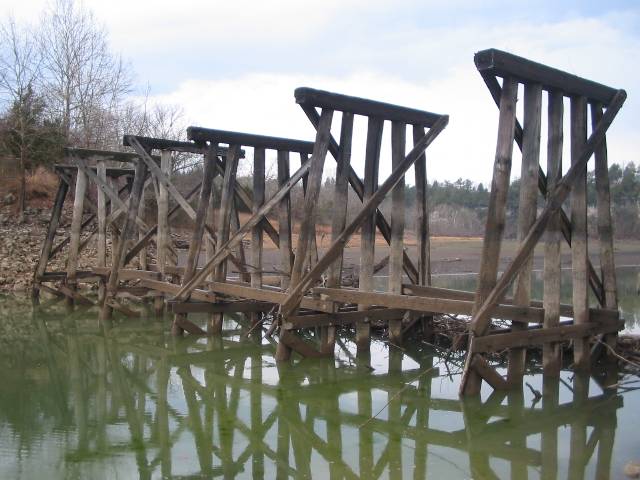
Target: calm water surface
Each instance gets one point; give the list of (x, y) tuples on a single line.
[(77, 401)]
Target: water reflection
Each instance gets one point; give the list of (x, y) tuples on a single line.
[(79, 402)]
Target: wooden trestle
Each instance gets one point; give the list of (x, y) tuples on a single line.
[(309, 291)]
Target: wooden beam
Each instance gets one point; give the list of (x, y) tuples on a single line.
[(199, 135), (362, 106), (284, 220), (505, 64), (341, 318), (76, 226), (422, 214)]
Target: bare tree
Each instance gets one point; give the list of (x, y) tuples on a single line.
[(19, 70), (85, 82)]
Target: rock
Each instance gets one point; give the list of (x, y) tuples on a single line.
[(9, 199), (632, 469)]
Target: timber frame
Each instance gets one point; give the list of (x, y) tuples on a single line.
[(309, 291)]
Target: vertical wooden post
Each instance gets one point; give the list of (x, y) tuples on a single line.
[(76, 226), (605, 225), (341, 195), (552, 352), (284, 220), (129, 223), (527, 210), (56, 212), (368, 230), (494, 228), (579, 254), (398, 146), (312, 257), (422, 214), (256, 232), (162, 238), (242, 257), (224, 215), (101, 261), (141, 213), (113, 228)]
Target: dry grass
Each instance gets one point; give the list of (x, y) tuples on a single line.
[(41, 185)]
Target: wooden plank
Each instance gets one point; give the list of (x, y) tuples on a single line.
[(54, 222), (368, 230), (341, 195), (226, 249), (362, 106), (340, 318), (422, 214), (398, 145), (129, 273), (552, 274), (284, 220), (358, 187), (199, 134), (258, 201), (240, 290), (101, 259), (579, 249), (166, 287), (429, 304), (527, 209), (337, 246), (162, 226), (605, 224), (76, 222), (531, 337), (241, 306)]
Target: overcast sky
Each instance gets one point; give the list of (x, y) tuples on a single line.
[(234, 64)]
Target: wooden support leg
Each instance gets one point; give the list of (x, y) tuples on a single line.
[(224, 213), (605, 224), (119, 254), (56, 212), (579, 255), (256, 232), (162, 237), (101, 260), (368, 231), (552, 352), (398, 143), (527, 207), (284, 221), (76, 224), (471, 381)]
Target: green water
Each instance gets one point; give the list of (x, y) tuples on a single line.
[(77, 401)]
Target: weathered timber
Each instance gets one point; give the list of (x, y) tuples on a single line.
[(199, 135), (527, 209), (240, 306), (422, 214), (76, 222), (552, 352), (363, 106), (368, 229), (341, 318), (398, 145), (503, 64), (579, 249)]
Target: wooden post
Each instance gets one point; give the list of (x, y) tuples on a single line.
[(76, 227), (398, 145), (422, 214), (549, 434), (162, 238), (579, 253), (143, 251), (284, 220), (312, 257), (527, 210), (56, 212), (496, 215), (224, 214), (368, 230), (552, 352), (256, 232), (101, 261), (605, 224), (119, 254)]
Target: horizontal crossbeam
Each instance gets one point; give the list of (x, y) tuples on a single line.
[(200, 135)]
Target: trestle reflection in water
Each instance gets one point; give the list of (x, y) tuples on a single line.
[(77, 401)]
